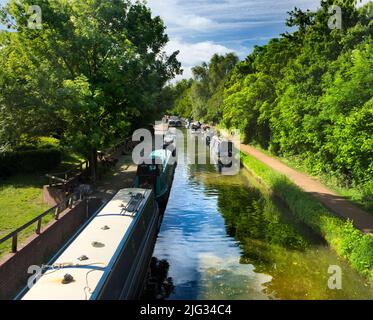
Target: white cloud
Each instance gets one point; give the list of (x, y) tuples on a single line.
[(200, 28), (208, 16), (192, 54), (175, 15), (195, 53)]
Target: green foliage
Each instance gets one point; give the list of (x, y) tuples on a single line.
[(29, 161), (307, 95), (176, 98), (94, 71), (202, 97), (347, 241), (38, 143)]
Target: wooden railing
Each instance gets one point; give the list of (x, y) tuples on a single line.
[(69, 177), (109, 157), (69, 202)]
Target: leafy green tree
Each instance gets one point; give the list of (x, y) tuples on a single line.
[(98, 66), (306, 95), (204, 94)]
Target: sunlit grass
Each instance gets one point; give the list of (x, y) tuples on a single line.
[(355, 194), (21, 200), (347, 241)]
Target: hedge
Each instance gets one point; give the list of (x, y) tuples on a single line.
[(29, 161), (341, 235)]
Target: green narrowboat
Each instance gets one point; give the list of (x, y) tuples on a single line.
[(157, 174)]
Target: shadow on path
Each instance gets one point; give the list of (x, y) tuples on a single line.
[(122, 176)]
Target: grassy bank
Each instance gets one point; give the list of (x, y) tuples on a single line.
[(347, 241), (361, 195), (21, 200)]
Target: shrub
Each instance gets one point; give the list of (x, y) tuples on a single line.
[(29, 161), (39, 143)]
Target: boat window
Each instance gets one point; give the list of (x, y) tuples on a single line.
[(149, 170)]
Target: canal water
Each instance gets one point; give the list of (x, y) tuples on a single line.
[(225, 237)]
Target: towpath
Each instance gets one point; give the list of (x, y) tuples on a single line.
[(335, 203), (123, 176)]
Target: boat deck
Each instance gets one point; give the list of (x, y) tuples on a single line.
[(99, 242)]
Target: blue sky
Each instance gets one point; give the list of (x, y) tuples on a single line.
[(200, 28)]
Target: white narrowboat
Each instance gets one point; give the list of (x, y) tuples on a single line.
[(221, 151)]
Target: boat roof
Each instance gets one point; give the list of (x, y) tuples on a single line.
[(99, 241), (162, 154)]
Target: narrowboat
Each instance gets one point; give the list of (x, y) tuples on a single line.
[(221, 151), (108, 257), (157, 174), (209, 134), (196, 126), (175, 123), (168, 140)]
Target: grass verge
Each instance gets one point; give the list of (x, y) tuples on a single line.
[(21, 200), (360, 195), (348, 242)]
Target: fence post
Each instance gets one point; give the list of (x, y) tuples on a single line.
[(14, 243), (57, 212), (87, 207), (38, 227)]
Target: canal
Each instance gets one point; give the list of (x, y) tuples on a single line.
[(225, 237)]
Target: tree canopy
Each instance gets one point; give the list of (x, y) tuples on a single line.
[(94, 69)]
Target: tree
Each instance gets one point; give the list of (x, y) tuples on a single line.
[(96, 65), (203, 95)]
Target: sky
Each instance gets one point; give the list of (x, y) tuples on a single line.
[(200, 28)]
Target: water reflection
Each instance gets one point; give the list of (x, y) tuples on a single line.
[(158, 286), (225, 238), (275, 243)]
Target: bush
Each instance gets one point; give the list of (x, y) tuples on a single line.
[(29, 161), (39, 143)]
